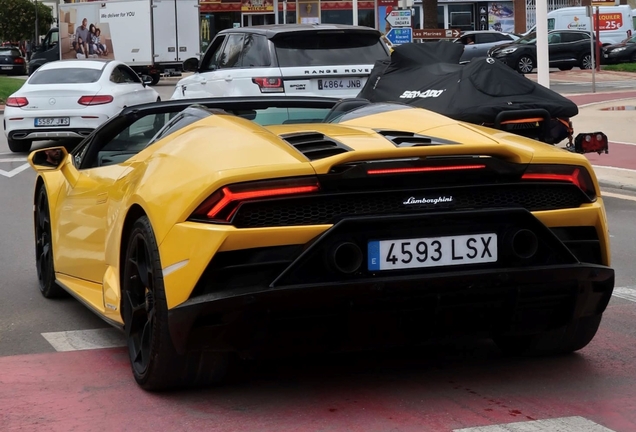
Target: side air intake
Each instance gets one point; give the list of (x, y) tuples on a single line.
[(410, 139), (315, 145)]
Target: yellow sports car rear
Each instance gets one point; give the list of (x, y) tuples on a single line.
[(212, 229)]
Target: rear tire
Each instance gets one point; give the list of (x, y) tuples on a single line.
[(155, 363), (155, 79), (569, 338), (44, 247), (19, 146)]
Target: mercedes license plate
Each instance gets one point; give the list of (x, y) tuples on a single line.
[(432, 252), (341, 84), (52, 121), (7, 68)]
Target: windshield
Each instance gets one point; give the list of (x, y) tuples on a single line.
[(329, 49), (530, 38)]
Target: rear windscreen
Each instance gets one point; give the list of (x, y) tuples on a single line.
[(10, 52), (66, 76), (328, 49)]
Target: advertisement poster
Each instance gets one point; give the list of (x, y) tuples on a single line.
[(257, 6), (106, 30), (308, 11), (501, 16)]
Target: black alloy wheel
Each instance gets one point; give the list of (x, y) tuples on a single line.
[(44, 247), (586, 62), (155, 363)]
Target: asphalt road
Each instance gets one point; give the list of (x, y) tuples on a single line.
[(442, 387)]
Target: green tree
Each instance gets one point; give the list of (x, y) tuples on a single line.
[(17, 19)]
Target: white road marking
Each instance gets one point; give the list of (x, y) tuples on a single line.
[(85, 339), (619, 196), (562, 424), (14, 171), (621, 142), (614, 168), (15, 159), (627, 293)]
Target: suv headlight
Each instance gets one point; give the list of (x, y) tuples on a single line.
[(508, 50), (619, 49)]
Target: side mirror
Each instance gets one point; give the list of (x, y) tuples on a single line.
[(146, 80), (48, 159), (191, 65)]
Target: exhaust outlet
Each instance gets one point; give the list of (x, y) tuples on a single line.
[(347, 257), (524, 244)]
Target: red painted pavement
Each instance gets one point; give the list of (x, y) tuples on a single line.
[(619, 156), (94, 391), (584, 99)]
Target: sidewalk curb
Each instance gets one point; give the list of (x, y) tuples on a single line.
[(616, 185)]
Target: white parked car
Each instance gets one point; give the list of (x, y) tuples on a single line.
[(328, 60), (69, 99)]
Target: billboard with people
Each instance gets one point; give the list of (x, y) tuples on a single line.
[(107, 30)]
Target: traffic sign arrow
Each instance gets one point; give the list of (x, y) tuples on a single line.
[(436, 33), (399, 18)]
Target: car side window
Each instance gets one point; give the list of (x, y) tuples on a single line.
[(554, 38), (485, 38), (571, 37), (121, 76), (213, 55), (232, 52), (255, 51), (130, 75)]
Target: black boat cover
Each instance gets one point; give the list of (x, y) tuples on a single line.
[(428, 75)]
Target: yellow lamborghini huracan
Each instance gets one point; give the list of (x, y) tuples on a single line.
[(214, 229)]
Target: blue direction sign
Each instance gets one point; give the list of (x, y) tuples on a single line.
[(399, 36)]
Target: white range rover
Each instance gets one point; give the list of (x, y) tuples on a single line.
[(294, 59)]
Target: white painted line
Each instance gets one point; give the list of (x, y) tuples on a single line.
[(619, 196), (563, 424), (627, 293), (15, 159), (614, 168), (14, 171), (621, 142), (85, 339)]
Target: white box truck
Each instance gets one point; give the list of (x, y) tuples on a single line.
[(154, 37), (616, 22)]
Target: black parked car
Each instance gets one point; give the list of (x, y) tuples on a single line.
[(11, 61), (567, 48), (620, 53)]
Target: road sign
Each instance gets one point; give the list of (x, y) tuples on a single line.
[(399, 36), (436, 33), (399, 18)]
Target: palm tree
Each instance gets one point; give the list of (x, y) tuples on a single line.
[(430, 13)]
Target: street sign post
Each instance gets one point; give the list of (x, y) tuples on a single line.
[(399, 36), (436, 33), (399, 18)]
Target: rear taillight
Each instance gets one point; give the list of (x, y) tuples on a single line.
[(18, 60), (17, 102), (222, 204), (411, 170), (576, 175), (95, 100), (269, 85)]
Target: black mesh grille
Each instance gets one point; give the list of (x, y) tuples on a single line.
[(327, 209)]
